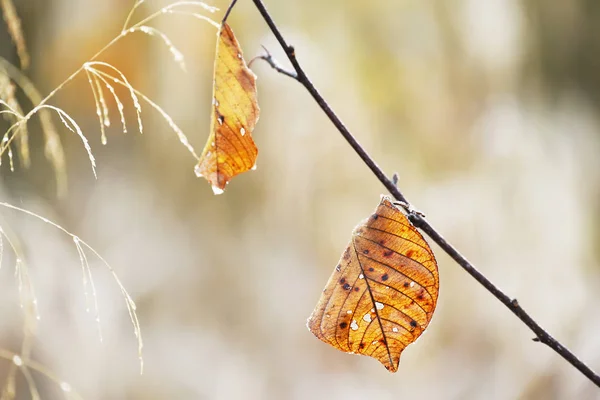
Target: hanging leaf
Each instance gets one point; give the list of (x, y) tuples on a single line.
[(230, 149), (382, 294)]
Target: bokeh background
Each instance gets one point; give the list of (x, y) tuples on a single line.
[(489, 111)]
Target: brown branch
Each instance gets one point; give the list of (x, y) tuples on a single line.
[(274, 64), (416, 218), (228, 11)]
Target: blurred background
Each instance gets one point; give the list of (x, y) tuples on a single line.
[(488, 111)]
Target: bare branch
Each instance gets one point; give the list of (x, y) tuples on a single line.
[(416, 218), (228, 11)]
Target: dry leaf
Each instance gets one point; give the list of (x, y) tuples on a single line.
[(383, 292), (230, 149)]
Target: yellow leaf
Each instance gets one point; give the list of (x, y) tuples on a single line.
[(382, 294), (230, 149)]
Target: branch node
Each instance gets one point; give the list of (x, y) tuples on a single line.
[(274, 64), (536, 339), (413, 215)]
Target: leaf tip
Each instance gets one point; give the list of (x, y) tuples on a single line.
[(198, 171), (217, 190)]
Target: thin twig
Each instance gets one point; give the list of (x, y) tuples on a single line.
[(416, 218), (274, 64), (228, 11)]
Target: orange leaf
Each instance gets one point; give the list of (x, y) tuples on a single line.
[(230, 149), (382, 294)]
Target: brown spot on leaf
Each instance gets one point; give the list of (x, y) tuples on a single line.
[(344, 325), (385, 277), (346, 254), (388, 253)]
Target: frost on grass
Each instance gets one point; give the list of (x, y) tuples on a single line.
[(74, 127), (148, 30), (101, 108), (136, 103), (99, 80), (173, 8), (81, 247), (181, 136), (53, 149)]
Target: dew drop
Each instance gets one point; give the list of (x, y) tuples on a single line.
[(65, 387), (217, 190), (215, 102), (220, 119), (103, 139), (361, 276), (354, 325), (367, 317), (379, 305), (394, 329), (17, 360), (337, 268), (243, 131), (349, 312), (253, 168), (412, 284), (240, 56)]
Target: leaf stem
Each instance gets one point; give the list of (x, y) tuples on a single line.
[(228, 11), (415, 218)]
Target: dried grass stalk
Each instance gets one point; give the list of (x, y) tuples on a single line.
[(13, 23)]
